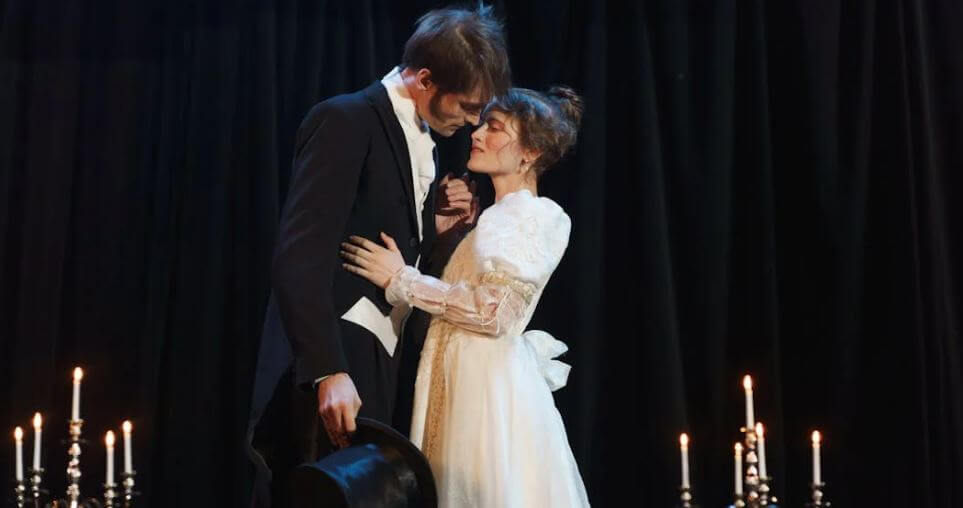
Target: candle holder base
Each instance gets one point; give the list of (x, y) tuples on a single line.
[(36, 491), (127, 499), (817, 500), (685, 498), (86, 503), (19, 494)]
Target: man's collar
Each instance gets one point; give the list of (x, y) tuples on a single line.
[(401, 101)]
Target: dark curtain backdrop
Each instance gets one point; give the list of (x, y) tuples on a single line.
[(763, 187)]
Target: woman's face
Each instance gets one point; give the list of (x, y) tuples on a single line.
[(495, 148)]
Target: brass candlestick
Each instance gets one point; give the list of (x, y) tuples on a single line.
[(129, 492), (817, 496), (685, 497), (73, 466)]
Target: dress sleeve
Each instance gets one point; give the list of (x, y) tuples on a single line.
[(517, 245), (491, 307)]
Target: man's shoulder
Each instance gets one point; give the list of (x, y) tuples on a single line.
[(352, 105)]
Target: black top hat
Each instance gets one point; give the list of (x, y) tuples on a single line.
[(381, 468)]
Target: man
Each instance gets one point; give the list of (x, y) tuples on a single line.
[(364, 164)]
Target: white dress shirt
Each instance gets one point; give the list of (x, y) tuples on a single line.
[(420, 145)]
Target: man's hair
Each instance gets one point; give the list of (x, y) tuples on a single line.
[(463, 49)]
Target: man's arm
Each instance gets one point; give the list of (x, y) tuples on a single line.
[(329, 154)]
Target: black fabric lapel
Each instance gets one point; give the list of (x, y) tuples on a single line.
[(428, 214), (378, 98)]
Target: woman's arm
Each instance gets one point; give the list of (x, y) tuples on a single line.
[(489, 308)]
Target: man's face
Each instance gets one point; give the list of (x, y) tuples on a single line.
[(448, 112)]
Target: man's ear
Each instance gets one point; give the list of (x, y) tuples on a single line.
[(423, 79)]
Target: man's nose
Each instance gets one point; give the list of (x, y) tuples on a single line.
[(473, 119)]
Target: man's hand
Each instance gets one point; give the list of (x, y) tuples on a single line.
[(457, 204), (338, 405)]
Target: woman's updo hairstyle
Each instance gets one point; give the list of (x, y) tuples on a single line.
[(548, 123)]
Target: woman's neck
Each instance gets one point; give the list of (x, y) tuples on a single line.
[(507, 184)]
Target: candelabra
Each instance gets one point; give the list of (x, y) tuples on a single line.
[(758, 493), (113, 494), (73, 498)]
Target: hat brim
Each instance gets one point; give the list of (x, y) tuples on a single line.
[(375, 432), (315, 481)]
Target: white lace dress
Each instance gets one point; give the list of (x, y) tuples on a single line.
[(483, 412)]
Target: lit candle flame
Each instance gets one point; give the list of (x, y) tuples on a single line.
[(759, 429), (127, 426), (738, 448), (37, 421), (747, 382), (684, 440), (109, 439), (78, 374), (18, 434), (817, 438)]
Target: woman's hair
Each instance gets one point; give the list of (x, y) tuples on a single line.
[(547, 122)]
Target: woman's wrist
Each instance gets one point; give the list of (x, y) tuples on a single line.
[(397, 289)]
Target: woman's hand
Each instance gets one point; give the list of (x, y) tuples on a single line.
[(372, 261)]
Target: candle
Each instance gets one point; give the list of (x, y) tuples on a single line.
[(750, 418), (37, 424), (18, 437), (738, 469), (817, 470), (684, 447), (128, 453), (761, 444), (109, 440), (75, 406)]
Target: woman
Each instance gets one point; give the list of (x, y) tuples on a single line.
[(484, 413)]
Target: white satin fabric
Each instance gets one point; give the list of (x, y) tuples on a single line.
[(484, 413)]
